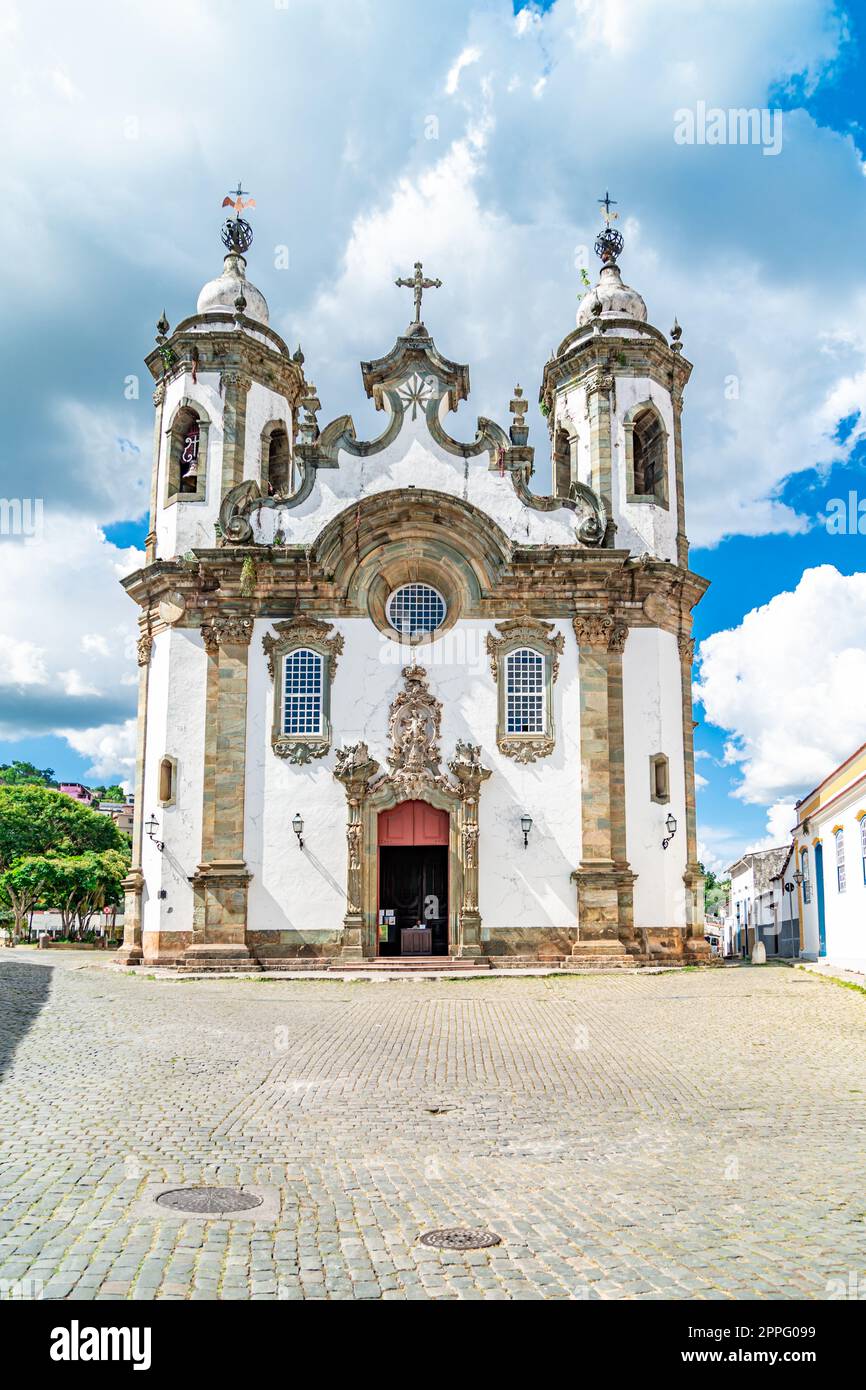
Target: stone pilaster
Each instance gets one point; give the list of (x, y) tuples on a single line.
[(221, 879), (235, 386), (354, 769), (693, 877), (130, 952), (682, 540), (467, 769), (599, 388), (150, 538), (604, 880)]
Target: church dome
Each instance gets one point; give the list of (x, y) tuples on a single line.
[(220, 294), (615, 298)]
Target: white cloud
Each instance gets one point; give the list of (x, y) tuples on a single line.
[(465, 60), (111, 748), (63, 584), (787, 685)]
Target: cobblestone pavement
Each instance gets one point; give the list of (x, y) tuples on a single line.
[(697, 1134)]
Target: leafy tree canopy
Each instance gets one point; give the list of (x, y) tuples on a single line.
[(18, 773), (37, 820)]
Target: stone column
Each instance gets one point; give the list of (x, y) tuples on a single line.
[(598, 408), (130, 952), (150, 538), (235, 385), (354, 768), (693, 877), (467, 769), (221, 880), (682, 540), (604, 880)]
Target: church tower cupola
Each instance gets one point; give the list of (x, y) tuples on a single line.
[(224, 293), (612, 394), (228, 395)]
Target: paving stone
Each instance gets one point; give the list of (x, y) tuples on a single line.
[(634, 1168)]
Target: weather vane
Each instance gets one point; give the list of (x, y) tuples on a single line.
[(237, 235), (419, 284), (609, 243)]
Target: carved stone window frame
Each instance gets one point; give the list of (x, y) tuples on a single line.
[(173, 444), (661, 498), (291, 635), (659, 762), (540, 637)]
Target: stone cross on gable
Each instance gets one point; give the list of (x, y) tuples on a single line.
[(419, 284)]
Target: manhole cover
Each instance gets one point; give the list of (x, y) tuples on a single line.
[(460, 1238), (211, 1201)]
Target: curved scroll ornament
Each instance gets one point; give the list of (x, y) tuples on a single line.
[(234, 511)]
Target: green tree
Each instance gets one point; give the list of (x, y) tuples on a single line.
[(113, 793), (35, 821), (18, 774)]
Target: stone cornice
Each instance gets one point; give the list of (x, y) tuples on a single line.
[(541, 583), (224, 350), (592, 361)]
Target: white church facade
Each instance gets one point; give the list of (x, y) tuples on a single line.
[(393, 702)]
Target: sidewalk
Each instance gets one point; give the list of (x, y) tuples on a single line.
[(831, 972)]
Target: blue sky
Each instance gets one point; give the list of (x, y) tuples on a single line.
[(116, 170)]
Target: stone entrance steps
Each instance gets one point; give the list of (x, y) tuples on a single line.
[(410, 965)]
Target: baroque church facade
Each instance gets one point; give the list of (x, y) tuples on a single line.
[(392, 701)]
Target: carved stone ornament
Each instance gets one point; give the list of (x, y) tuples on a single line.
[(602, 630), (525, 748), (302, 631), (230, 631), (686, 647), (145, 649), (525, 632), (414, 729)]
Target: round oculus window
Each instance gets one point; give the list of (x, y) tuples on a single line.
[(414, 609)]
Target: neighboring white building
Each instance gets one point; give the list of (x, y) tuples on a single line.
[(759, 908), (390, 698), (830, 851)]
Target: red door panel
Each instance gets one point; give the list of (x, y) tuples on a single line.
[(413, 823)]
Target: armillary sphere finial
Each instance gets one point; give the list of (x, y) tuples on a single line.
[(609, 243), (237, 234)]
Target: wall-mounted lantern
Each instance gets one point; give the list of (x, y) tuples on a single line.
[(151, 828), (671, 827), (525, 826), (298, 827)]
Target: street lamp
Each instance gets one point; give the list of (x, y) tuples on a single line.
[(525, 826), (298, 827), (671, 827), (151, 828)]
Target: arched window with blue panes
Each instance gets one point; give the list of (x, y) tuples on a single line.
[(525, 705), (302, 693)]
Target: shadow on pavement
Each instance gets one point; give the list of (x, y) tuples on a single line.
[(24, 990)]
